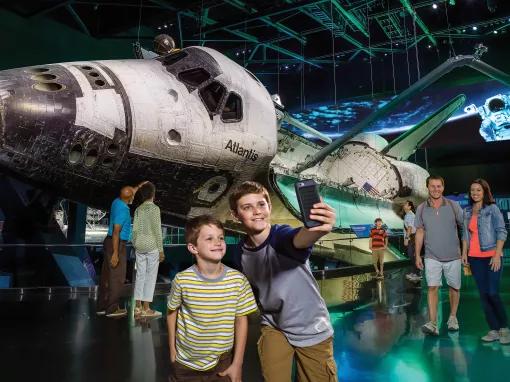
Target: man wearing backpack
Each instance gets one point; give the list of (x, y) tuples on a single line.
[(437, 222)]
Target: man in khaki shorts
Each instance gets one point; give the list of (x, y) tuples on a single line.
[(437, 220)]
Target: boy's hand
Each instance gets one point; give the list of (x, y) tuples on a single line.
[(325, 214), (173, 354), (234, 372)]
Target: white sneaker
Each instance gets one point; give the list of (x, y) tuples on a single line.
[(453, 324), (410, 276), (430, 328), (151, 313), (504, 336), (118, 313), (100, 312), (492, 336)]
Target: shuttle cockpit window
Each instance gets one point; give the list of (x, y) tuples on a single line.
[(194, 77), (173, 58), (212, 96), (233, 109)]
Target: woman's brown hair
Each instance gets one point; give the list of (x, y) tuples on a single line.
[(487, 194)]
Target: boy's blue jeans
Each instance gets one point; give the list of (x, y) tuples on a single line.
[(488, 286)]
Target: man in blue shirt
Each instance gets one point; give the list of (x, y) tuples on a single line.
[(113, 272)]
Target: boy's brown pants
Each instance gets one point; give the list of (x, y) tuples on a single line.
[(314, 363)]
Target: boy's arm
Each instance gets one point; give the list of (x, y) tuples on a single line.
[(306, 237), (171, 320), (173, 304), (235, 370)]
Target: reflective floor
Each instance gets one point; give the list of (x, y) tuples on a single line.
[(377, 338)]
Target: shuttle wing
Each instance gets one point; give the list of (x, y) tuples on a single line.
[(405, 145)]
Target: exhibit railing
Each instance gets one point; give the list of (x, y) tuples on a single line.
[(25, 265)]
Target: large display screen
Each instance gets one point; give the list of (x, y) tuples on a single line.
[(488, 102)]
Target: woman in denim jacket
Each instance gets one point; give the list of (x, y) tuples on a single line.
[(483, 237)]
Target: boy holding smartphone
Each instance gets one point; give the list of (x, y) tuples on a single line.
[(274, 258)]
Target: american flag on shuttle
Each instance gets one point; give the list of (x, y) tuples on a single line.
[(371, 190)]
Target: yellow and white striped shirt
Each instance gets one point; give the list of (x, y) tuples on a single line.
[(207, 312)]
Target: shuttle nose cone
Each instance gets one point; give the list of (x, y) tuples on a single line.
[(37, 105)]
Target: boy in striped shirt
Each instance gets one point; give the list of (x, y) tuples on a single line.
[(207, 310)]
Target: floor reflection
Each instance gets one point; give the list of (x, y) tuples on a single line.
[(377, 338)]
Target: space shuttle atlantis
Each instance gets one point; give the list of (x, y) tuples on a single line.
[(194, 123)]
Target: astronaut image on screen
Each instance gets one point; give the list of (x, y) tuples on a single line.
[(495, 115)]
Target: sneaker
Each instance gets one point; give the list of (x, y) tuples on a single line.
[(410, 276), (492, 336), (416, 279), (117, 313), (504, 336), (453, 324), (430, 328), (151, 313), (137, 311), (100, 312)]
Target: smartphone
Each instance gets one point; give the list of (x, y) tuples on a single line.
[(307, 195)]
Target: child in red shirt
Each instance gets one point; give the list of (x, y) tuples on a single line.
[(377, 244)]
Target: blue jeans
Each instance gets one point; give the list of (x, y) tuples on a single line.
[(410, 249), (488, 286)]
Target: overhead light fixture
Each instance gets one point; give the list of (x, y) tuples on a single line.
[(159, 28), (495, 32), (165, 26), (429, 46), (434, 6), (475, 28)]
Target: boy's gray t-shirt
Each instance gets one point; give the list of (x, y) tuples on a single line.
[(441, 229), (285, 288)]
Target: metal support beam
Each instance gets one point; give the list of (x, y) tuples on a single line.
[(252, 54), (283, 61), (257, 16), (50, 9), (179, 28), (241, 5), (274, 47), (78, 19), (251, 38), (341, 34), (164, 4), (282, 28), (430, 78), (407, 5), (350, 17)]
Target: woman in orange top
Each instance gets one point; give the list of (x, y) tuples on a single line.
[(484, 235)]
